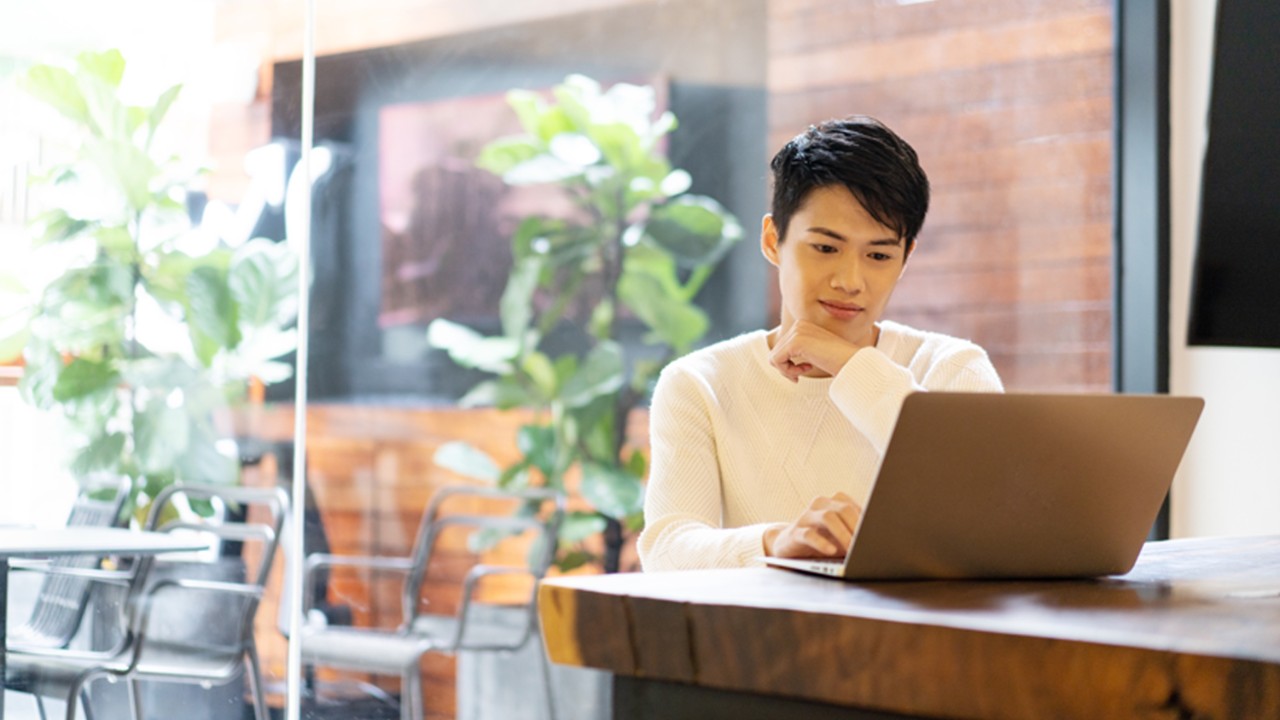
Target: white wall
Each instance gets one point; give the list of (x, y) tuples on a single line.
[(1229, 483)]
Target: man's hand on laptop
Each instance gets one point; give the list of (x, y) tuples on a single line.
[(823, 530)]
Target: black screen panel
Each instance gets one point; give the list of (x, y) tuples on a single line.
[(1235, 294)]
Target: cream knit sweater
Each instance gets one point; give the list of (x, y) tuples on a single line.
[(737, 448)]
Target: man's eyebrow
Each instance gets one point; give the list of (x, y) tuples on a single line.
[(828, 232), (896, 242)]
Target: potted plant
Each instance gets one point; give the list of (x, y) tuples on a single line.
[(634, 253), (145, 329)]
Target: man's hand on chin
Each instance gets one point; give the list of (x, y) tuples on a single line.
[(808, 349)]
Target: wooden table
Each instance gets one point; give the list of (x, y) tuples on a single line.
[(28, 542), (1192, 631)]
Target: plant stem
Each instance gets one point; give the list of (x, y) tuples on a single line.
[(612, 545)]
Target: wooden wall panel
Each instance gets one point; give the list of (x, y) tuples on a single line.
[(1008, 103)]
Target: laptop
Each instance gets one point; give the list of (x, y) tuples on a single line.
[(978, 485)]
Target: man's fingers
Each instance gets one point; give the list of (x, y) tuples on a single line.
[(816, 539)]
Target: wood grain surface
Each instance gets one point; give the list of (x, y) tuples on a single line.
[(1192, 631)]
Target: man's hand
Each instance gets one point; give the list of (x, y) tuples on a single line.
[(806, 346), (824, 530)]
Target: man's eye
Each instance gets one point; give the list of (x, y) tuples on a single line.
[(824, 248), (880, 256)]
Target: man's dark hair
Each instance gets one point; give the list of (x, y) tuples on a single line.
[(859, 152)]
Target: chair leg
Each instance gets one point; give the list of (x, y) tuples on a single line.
[(40, 707), (411, 694), (135, 699), (255, 684), (79, 691), (545, 665), (84, 701)]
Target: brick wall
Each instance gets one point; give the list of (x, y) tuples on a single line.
[(1008, 103)]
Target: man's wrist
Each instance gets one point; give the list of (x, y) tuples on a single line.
[(768, 539)]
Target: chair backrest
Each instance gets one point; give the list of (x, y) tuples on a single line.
[(536, 510), (60, 603), (247, 524)]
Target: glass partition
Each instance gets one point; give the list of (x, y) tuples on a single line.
[(145, 305)]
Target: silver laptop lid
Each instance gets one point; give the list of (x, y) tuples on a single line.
[(1020, 485)]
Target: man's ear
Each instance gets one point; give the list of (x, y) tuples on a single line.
[(769, 240)]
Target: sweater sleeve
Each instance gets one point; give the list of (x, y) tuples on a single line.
[(683, 502), (870, 388)]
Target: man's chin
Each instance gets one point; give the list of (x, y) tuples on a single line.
[(859, 331)]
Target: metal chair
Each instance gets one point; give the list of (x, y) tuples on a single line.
[(59, 608), (399, 651), (171, 649)]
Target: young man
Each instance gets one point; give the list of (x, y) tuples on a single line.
[(767, 444)]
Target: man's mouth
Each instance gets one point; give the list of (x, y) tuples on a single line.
[(841, 310)]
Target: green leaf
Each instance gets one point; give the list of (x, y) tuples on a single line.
[(136, 116), (262, 280), (58, 226), (83, 377), (601, 324), (574, 149), (598, 437), (167, 279), (202, 461), (696, 230), (621, 146), (676, 182), (671, 320), (541, 169), (160, 109), (613, 491), (516, 306), (566, 366), (573, 560), (578, 526), (637, 465), (212, 311), (538, 119), (538, 445), (57, 88), (116, 241), (470, 349), (128, 166), (161, 434), (665, 123), (601, 373), (540, 370), (465, 459), (505, 154), (503, 393), (40, 375), (528, 106), (107, 66), (634, 522), (515, 477), (102, 453)]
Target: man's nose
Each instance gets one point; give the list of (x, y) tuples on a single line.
[(848, 277)]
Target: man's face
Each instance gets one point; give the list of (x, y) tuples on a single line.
[(837, 267)]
